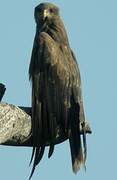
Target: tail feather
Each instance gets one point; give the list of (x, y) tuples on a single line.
[(38, 156), (76, 151), (33, 152), (84, 144), (51, 150), (77, 156)]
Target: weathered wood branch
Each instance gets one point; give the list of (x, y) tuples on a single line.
[(15, 125)]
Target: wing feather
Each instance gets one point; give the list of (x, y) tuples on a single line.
[(56, 98), (77, 91)]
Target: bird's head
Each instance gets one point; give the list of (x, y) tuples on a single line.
[(45, 11)]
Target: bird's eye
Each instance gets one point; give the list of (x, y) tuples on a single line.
[(51, 10)]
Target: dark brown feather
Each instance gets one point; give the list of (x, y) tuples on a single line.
[(56, 90)]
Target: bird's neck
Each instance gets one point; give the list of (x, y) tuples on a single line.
[(56, 30)]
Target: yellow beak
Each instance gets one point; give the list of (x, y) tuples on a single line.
[(45, 13)]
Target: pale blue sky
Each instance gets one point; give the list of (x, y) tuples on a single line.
[(92, 31)]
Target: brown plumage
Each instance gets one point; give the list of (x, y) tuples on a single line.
[(56, 88)]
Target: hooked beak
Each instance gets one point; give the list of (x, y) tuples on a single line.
[(45, 14)]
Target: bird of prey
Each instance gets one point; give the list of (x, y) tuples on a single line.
[(56, 88)]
